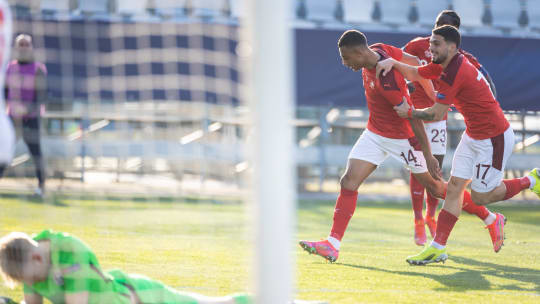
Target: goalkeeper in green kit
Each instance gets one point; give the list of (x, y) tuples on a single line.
[(63, 269)]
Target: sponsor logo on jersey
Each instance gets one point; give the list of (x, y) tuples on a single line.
[(441, 96)]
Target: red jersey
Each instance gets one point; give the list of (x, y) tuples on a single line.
[(419, 47), (464, 86), (383, 94)]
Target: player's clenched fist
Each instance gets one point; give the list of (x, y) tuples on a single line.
[(402, 109)]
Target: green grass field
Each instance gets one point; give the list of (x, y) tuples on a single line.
[(204, 247)]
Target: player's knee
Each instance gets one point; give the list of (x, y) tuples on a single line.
[(349, 182), (480, 198), (453, 183), (454, 186)]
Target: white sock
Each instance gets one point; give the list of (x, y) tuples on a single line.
[(490, 218), (335, 242), (532, 180), (437, 245)]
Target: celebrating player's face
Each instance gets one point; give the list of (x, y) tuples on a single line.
[(439, 49), (352, 58)]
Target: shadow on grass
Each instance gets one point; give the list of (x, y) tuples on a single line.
[(35, 199), (525, 275), (470, 279), (461, 281)]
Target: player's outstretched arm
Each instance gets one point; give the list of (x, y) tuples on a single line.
[(426, 84), (434, 113), (428, 88), (410, 59), (420, 132), (409, 72)]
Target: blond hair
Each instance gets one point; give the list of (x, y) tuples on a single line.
[(23, 36), (15, 249)]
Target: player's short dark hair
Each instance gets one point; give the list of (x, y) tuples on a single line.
[(450, 34), (352, 38), (449, 17)]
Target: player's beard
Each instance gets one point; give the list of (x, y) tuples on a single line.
[(440, 58)]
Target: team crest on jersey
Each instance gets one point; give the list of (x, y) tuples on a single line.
[(368, 81), (58, 277), (441, 96), (58, 274)]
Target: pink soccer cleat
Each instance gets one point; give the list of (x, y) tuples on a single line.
[(496, 232), (322, 248)]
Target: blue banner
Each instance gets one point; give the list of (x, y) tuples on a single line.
[(321, 79)]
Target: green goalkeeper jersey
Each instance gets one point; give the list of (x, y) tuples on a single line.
[(75, 268)]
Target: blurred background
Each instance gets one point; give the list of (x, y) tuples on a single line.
[(144, 95), (145, 103)]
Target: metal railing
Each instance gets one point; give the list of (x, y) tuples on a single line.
[(211, 144)]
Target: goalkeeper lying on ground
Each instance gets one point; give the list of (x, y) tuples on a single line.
[(63, 269)]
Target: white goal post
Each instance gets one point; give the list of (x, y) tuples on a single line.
[(266, 52)]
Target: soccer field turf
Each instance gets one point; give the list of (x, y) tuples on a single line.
[(204, 247)]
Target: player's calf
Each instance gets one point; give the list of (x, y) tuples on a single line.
[(431, 222), (420, 238), (484, 198)]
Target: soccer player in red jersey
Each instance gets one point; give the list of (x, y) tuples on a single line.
[(436, 132), (386, 135), (485, 145)]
